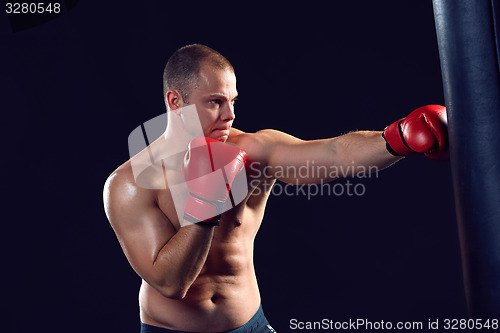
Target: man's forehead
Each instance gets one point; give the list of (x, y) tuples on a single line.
[(217, 82), (231, 96), (208, 71)]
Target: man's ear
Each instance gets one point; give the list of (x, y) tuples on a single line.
[(173, 100)]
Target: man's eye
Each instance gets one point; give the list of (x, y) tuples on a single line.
[(215, 101)]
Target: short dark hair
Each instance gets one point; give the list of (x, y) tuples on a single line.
[(183, 67)]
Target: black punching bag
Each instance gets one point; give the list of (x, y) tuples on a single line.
[(468, 34)]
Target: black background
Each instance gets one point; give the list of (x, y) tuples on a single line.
[(74, 87)]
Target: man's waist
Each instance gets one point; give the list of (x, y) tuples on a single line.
[(204, 304), (258, 320)]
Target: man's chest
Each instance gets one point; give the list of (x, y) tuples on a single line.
[(239, 219)]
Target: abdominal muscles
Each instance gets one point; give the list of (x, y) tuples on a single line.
[(223, 297)]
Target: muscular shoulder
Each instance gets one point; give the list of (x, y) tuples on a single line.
[(120, 182), (122, 194), (260, 145)]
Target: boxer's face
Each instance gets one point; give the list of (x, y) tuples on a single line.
[(214, 99)]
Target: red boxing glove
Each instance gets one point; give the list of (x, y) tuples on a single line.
[(425, 130), (210, 167)]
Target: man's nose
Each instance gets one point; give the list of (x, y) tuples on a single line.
[(227, 113)]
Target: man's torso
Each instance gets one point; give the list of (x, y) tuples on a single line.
[(225, 295)]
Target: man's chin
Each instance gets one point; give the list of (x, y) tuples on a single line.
[(221, 138), (220, 135)]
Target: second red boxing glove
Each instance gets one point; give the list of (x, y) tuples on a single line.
[(424, 130), (210, 167)]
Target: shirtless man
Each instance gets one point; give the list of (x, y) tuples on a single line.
[(199, 277)]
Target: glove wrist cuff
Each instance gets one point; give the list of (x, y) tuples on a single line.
[(201, 211), (395, 142)]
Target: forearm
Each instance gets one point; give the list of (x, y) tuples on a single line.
[(301, 162), (180, 260), (362, 149)]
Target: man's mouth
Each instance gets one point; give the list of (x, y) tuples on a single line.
[(220, 133)]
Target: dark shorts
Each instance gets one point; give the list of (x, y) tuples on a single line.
[(257, 324)]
